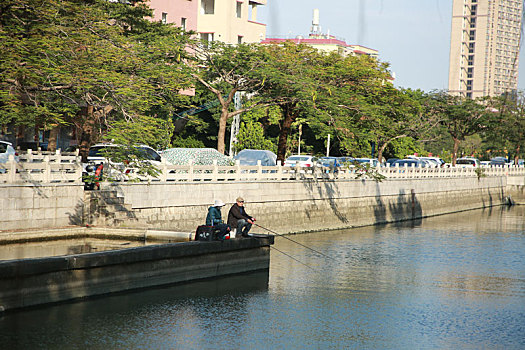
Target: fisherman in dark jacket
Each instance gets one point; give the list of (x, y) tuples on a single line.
[(237, 217)]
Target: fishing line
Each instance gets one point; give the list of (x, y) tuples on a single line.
[(291, 257), (280, 235)]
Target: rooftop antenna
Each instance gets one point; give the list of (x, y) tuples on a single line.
[(316, 28)]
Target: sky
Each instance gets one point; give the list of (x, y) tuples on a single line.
[(412, 35)]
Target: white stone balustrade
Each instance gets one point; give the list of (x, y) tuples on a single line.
[(56, 167)]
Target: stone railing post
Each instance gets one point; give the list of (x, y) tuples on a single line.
[(11, 176), (279, 170), (238, 169), (191, 173), (259, 170), (47, 170), (29, 155), (163, 170), (58, 156), (215, 172)]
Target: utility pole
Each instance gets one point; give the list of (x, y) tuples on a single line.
[(300, 133), (234, 130)]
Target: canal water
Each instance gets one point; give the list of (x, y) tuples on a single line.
[(449, 282)]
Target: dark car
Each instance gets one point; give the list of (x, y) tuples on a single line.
[(32, 145), (390, 161), (498, 161)]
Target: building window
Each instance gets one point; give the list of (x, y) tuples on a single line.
[(469, 84), (183, 23), (470, 61), (473, 23), (239, 9), (473, 10), (207, 7), (470, 72), (239, 39), (472, 35), (469, 94), (164, 17), (471, 47), (206, 38)]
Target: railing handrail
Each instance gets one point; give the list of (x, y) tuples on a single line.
[(60, 168)]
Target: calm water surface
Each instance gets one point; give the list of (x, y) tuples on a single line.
[(449, 282)]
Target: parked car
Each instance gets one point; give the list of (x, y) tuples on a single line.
[(116, 170), (6, 149), (301, 161), (435, 162), (330, 162), (390, 161), (373, 162), (484, 163), (467, 162), (498, 161), (410, 162), (253, 156), (32, 145)]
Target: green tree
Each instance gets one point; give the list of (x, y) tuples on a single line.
[(508, 125), (225, 70), (251, 136), (461, 117), (85, 62)]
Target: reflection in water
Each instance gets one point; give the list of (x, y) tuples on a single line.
[(453, 281)]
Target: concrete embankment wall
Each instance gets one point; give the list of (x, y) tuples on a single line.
[(37, 281), (286, 206), (40, 205), (294, 206)]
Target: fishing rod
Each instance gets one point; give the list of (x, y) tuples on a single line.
[(280, 235)]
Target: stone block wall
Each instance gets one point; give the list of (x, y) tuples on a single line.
[(28, 206), (294, 206)]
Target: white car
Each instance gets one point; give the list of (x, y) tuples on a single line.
[(117, 170), (6, 149), (467, 162), (435, 162), (301, 161)]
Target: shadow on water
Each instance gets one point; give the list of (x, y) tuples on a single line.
[(41, 326)]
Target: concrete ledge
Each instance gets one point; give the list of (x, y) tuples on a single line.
[(29, 282)]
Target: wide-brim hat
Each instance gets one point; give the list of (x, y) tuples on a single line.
[(239, 199), (219, 203)]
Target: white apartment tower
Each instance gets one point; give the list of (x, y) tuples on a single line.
[(484, 47)]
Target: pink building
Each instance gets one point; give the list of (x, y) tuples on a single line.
[(183, 13)]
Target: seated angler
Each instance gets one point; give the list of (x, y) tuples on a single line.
[(214, 218), (238, 218)]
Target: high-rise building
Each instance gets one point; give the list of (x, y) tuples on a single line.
[(484, 47), (230, 21)]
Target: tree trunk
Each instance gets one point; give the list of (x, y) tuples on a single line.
[(53, 139), (88, 127), (290, 114), (222, 129), (455, 151), (380, 152), (20, 135)]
